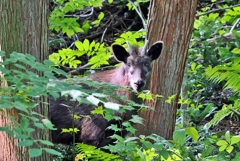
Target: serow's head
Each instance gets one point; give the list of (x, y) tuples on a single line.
[(137, 62)]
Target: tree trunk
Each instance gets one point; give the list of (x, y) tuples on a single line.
[(170, 21), (24, 29)]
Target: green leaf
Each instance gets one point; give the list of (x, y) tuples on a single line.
[(20, 106), (46, 142), (39, 125), (193, 66), (2, 53), (149, 145), (96, 23), (212, 16), (8, 131), (126, 124), (149, 96), (191, 131), (48, 124), (76, 116), (179, 136), (48, 62), (25, 143), (222, 142), (235, 139), (69, 32), (79, 45), (52, 151), (114, 127), (24, 123), (236, 51), (131, 139), (98, 111), (92, 46), (227, 136), (20, 66), (131, 129), (86, 44), (86, 27), (136, 119), (119, 138), (70, 130), (21, 136), (78, 29), (170, 98), (229, 149), (140, 153), (222, 148), (101, 16), (35, 152)]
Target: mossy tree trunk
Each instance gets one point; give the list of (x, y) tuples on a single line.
[(170, 21), (24, 29)]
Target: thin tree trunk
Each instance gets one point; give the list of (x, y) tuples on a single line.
[(24, 29), (170, 21)]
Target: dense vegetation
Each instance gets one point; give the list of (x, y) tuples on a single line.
[(207, 126)]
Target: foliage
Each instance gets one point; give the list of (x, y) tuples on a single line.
[(88, 152), (153, 147), (213, 54), (25, 87), (69, 25), (98, 54), (228, 72), (198, 114), (228, 143), (210, 46)]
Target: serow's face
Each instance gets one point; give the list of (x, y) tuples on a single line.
[(137, 62)]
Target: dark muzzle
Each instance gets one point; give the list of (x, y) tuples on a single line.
[(140, 84)]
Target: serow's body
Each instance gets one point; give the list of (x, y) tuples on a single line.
[(133, 72)]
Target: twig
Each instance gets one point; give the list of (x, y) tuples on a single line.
[(104, 32), (234, 25), (235, 111), (228, 36), (111, 59), (76, 36), (139, 12), (216, 10), (82, 15)]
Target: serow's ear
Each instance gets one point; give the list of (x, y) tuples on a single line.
[(155, 50), (120, 53)]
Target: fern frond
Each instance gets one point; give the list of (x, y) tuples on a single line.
[(89, 152), (220, 115), (228, 72)]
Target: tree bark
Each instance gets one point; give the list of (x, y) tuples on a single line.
[(170, 21), (24, 29)]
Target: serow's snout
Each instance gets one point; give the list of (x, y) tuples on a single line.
[(140, 84)]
